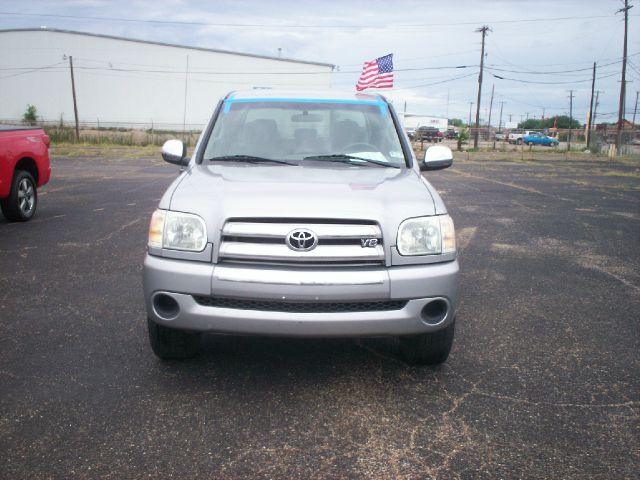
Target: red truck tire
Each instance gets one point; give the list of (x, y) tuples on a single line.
[(21, 203)]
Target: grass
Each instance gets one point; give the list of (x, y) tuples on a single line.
[(116, 136)]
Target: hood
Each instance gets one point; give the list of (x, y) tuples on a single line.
[(219, 192)]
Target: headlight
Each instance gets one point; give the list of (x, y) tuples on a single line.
[(426, 236), (177, 231)]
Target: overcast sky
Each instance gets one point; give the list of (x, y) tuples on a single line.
[(543, 42)]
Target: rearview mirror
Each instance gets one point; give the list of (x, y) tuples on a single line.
[(437, 157), (174, 151)]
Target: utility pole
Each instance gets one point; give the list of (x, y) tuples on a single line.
[(490, 108), (570, 119), (510, 117), (595, 110), (75, 103), (484, 29), (593, 86), (635, 109), (499, 124), (470, 107), (527, 115), (543, 109), (623, 83)]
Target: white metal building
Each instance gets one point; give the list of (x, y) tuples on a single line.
[(411, 120), (128, 82)]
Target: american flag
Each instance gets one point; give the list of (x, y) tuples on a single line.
[(377, 73)]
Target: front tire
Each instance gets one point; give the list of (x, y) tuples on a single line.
[(172, 343), (21, 203), (428, 348)]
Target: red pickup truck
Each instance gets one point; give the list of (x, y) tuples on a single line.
[(24, 167)]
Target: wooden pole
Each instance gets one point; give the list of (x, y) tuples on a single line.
[(75, 103), (593, 86), (484, 31), (623, 83)]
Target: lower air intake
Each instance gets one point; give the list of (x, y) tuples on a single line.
[(300, 307)]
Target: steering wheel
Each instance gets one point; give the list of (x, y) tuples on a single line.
[(360, 147)]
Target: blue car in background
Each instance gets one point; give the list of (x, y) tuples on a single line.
[(536, 138)]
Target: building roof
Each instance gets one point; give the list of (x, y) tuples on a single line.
[(113, 37)]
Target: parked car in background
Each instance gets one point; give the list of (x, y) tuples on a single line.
[(411, 132), (451, 134), (515, 137), (537, 138), (429, 134), (356, 243), (501, 136), (24, 167)]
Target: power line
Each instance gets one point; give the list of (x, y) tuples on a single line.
[(306, 26), (549, 83), (555, 72), (30, 70), (437, 83)]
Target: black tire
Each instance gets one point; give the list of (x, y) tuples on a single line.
[(519, 141), (428, 348), (172, 343), (22, 201)]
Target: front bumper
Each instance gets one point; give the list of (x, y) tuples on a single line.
[(418, 284)]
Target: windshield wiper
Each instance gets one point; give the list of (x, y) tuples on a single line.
[(249, 159), (346, 158)]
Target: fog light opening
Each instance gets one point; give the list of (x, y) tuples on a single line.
[(435, 312), (165, 306)]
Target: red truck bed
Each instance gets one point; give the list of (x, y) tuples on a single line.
[(24, 166)]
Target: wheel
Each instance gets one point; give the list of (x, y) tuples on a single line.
[(519, 142), (21, 203), (428, 348), (172, 343), (530, 143)]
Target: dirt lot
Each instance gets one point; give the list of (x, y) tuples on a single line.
[(543, 380)]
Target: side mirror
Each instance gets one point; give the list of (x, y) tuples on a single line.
[(174, 151), (437, 157)]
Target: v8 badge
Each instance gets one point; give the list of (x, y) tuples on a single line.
[(368, 242)]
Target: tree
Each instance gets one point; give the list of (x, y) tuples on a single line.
[(455, 122), (562, 121), (30, 115)]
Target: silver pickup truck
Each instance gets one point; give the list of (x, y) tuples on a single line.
[(302, 214)]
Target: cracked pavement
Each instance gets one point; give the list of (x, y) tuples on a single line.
[(543, 380)]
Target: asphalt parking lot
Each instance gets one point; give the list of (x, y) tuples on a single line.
[(543, 380)]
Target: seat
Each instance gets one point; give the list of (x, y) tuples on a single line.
[(307, 141), (345, 133), (261, 138)]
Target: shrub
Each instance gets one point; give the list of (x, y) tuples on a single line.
[(463, 137), (30, 115)]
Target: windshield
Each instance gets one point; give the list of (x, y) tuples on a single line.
[(354, 132)]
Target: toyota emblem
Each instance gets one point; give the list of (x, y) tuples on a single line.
[(302, 239)]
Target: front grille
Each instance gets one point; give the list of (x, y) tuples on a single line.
[(300, 307), (339, 242)]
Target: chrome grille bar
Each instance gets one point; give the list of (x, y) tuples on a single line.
[(280, 230), (280, 252)]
